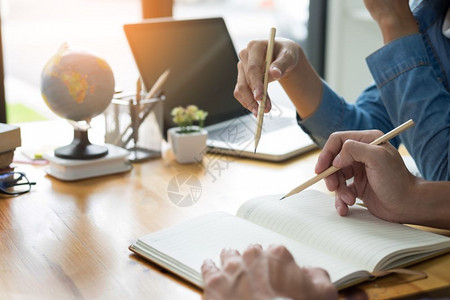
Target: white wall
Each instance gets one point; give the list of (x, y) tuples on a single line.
[(351, 36)]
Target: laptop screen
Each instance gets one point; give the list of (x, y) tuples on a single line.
[(202, 62)]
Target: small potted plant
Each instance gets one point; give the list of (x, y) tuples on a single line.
[(188, 140)]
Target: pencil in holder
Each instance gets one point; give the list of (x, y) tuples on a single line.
[(135, 126)]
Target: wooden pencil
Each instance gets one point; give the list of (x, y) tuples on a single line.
[(384, 138), (262, 104)]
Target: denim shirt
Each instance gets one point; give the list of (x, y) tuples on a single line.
[(411, 77)]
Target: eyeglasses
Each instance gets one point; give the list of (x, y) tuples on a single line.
[(14, 183)]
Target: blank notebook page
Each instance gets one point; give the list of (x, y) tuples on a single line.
[(310, 217), (195, 240)]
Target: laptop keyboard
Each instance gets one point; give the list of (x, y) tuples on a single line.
[(244, 128), (273, 124)]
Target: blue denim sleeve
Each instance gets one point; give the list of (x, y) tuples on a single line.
[(335, 114), (410, 88)]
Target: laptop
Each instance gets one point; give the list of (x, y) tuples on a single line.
[(203, 71)]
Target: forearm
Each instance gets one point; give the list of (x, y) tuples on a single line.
[(335, 114), (394, 19), (394, 27), (303, 86), (430, 205)]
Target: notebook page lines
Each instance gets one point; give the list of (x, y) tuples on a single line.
[(192, 244), (311, 218)]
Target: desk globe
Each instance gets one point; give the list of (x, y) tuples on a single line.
[(77, 85)]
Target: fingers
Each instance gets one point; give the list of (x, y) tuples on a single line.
[(332, 182), (343, 191), (208, 269), (275, 72), (268, 105), (317, 274), (253, 253), (327, 155), (264, 274), (340, 206), (286, 58), (246, 96), (354, 151), (338, 179), (243, 93), (344, 195), (212, 276), (254, 67), (250, 81), (321, 280), (280, 252), (228, 254), (335, 142), (232, 261)]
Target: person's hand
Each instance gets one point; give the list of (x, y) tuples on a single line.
[(289, 66), (264, 274), (250, 81), (394, 17), (380, 178)]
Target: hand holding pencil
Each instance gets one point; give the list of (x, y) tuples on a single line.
[(333, 147), (381, 180)]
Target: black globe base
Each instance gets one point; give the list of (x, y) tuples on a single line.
[(81, 148)]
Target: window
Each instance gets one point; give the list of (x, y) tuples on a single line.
[(251, 19), (33, 30)]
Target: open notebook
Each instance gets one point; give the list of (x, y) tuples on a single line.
[(349, 248)]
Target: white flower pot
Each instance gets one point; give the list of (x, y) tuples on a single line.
[(188, 147)]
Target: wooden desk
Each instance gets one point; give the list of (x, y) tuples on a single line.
[(67, 240)]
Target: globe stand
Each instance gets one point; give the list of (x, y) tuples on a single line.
[(81, 148)]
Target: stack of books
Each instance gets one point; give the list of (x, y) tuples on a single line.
[(9, 141)]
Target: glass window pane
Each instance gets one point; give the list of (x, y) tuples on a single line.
[(33, 30), (251, 19)]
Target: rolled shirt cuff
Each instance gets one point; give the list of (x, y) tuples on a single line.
[(396, 58)]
